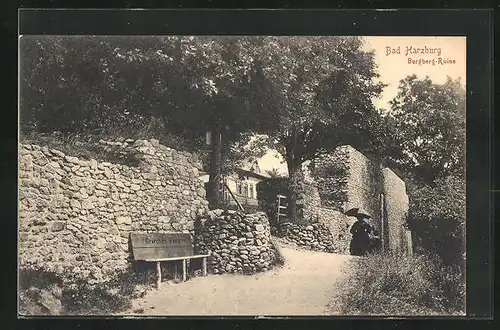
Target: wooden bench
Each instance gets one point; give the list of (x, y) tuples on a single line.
[(158, 247)]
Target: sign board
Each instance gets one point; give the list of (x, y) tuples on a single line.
[(158, 246)]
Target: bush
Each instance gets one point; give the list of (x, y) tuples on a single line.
[(400, 285), (437, 218), (76, 296), (85, 145)]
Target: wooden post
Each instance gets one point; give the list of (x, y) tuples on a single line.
[(175, 270), (184, 270), (158, 271), (204, 266), (382, 224)]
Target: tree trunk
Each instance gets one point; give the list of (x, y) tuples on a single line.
[(295, 180), (214, 193)]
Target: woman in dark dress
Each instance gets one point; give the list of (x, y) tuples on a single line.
[(362, 234), (360, 242)]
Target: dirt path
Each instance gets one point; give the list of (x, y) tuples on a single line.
[(303, 286)]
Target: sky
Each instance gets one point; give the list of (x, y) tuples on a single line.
[(395, 66)]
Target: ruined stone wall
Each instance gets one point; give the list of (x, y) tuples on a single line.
[(236, 242), (339, 226), (349, 179), (323, 219), (75, 216), (363, 185), (395, 209), (330, 174)]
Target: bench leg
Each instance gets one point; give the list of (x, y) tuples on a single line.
[(204, 266), (158, 273), (184, 262)]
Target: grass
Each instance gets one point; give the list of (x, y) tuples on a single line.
[(399, 285), (85, 145), (77, 297)]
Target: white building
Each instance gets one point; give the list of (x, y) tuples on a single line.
[(240, 185)]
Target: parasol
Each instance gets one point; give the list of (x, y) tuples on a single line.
[(358, 213)]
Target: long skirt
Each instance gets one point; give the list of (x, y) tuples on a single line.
[(359, 246)]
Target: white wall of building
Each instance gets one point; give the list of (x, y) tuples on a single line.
[(248, 185)]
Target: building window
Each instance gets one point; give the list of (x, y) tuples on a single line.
[(239, 188), (251, 187), (245, 191)]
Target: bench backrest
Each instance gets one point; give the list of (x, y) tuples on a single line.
[(159, 245)]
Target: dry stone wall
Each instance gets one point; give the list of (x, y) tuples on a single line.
[(75, 215), (236, 242), (316, 236)]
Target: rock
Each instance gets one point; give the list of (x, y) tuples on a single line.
[(124, 221), (51, 303), (72, 160), (75, 204), (155, 143), (259, 227), (88, 205), (58, 226), (105, 257), (200, 192)]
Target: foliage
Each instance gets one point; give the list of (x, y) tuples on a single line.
[(400, 285), (88, 146), (437, 218), (274, 173), (318, 92), (77, 296), (315, 85), (267, 192), (72, 84), (426, 129), (428, 126)]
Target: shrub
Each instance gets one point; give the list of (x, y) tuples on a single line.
[(76, 296), (85, 144), (400, 285), (437, 218)]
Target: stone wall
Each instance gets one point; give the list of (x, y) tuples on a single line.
[(350, 179), (75, 215), (339, 226), (363, 185), (396, 203), (329, 173), (236, 242)]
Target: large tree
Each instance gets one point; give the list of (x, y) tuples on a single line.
[(428, 131), (318, 91), (428, 122), (95, 84)]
